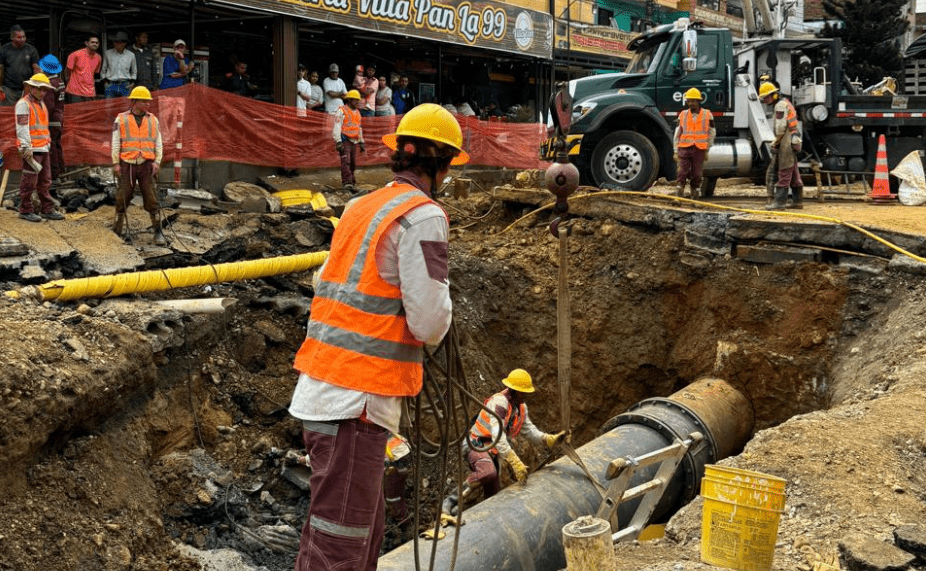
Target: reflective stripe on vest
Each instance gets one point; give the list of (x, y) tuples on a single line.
[(350, 128), (38, 124), (357, 335), (513, 420), (137, 140), (696, 129)]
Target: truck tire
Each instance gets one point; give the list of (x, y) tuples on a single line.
[(708, 185), (625, 160)]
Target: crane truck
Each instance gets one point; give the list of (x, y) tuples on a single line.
[(620, 131)]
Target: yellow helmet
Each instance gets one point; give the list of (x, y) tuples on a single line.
[(767, 89), (693, 93), (434, 123), (140, 92), (519, 380), (39, 80), (352, 94)]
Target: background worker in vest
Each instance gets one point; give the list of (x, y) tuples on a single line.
[(787, 142), (34, 141), (510, 406), (694, 136), (136, 153), (380, 297), (348, 136)]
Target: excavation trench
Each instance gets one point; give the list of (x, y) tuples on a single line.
[(179, 433)]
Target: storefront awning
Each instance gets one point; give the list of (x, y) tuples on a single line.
[(493, 26)]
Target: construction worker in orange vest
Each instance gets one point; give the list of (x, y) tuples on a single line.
[(382, 294), (785, 147), (694, 136), (136, 154), (348, 135), (34, 141), (509, 405)]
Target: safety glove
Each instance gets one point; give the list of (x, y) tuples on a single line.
[(517, 467), (339, 145), (554, 440)]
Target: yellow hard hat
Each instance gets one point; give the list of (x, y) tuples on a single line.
[(140, 92), (352, 94), (693, 93), (39, 80), (767, 89), (432, 122), (519, 380)]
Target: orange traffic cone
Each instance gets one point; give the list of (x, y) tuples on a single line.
[(881, 189)]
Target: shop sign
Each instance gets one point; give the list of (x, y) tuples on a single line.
[(598, 40), (478, 24)]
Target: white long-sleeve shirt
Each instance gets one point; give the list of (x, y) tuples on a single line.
[(23, 137), (116, 143), (400, 259), (338, 123), (528, 429)]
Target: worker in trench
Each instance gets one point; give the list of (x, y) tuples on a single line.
[(137, 151), (380, 297), (784, 148), (511, 407)]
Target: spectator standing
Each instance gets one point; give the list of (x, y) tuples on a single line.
[(367, 85), (381, 296), (348, 135), (464, 108), (402, 99), (146, 62), (239, 82), (384, 106), (33, 140), (317, 102), (119, 71), (18, 62), (81, 66), (334, 89), (303, 91), (137, 151), (176, 67), (54, 102)]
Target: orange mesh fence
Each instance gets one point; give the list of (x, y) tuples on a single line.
[(199, 122)]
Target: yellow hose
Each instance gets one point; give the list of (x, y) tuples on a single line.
[(894, 247), (159, 280), (299, 196)]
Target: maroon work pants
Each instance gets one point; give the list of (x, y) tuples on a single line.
[(484, 471), (690, 165), (348, 161), (36, 182), (790, 177), (346, 521), (136, 176)]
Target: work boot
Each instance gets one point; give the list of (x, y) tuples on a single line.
[(780, 201), (53, 215), (156, 227), (680, 189), (695, 190), (797, 198), (30, 216), (119, 223)]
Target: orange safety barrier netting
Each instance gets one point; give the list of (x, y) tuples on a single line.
[(210, 124)]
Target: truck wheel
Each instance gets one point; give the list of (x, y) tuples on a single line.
[(625, 160), (708, 185)]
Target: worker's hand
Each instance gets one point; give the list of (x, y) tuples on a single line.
[(339, 146), (363, 147), (554, 440), (675, 156), (25, 153), (117, 170), (518, 469), (157, 169), (774, 150)]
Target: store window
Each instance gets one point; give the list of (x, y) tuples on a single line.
[(604, 16), (735, 8), (710, 4)]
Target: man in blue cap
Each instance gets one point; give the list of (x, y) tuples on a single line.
[(54, 101)]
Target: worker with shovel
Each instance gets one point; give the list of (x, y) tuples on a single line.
[(34, 140), (785, 147), (509, 405), (136, 154)]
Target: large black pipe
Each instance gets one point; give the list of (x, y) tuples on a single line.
[(520, 528)]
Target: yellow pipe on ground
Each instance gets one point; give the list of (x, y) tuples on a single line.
[(160, 280)]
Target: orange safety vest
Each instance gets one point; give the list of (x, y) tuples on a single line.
[(512, 417), (696, 129), (792, 117), (350, 128), (137, 140), (38, 124), (358, 337)]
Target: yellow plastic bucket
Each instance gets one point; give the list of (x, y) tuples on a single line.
[(740, 518)]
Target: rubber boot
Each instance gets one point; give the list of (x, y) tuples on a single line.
[(680, 189), (695, 190), (797, 195), (156, 227), (781, 199), (119, 223)]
